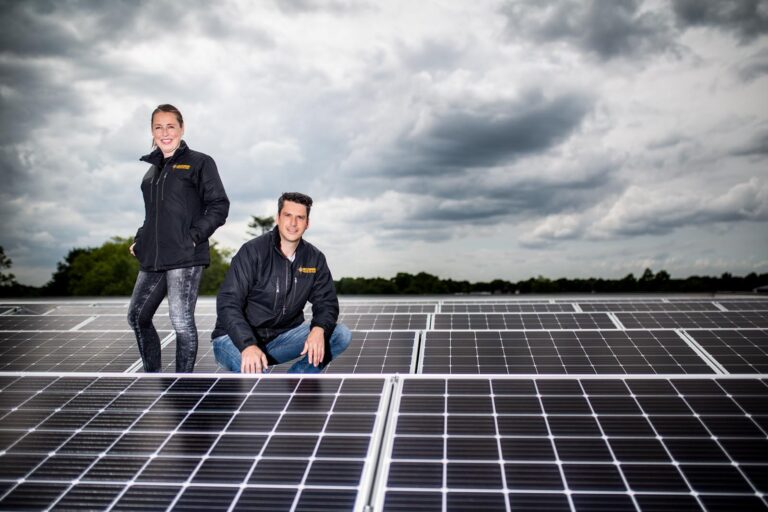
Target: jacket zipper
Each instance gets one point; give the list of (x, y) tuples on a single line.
[(277, 291), (287, 272), (160, 190)]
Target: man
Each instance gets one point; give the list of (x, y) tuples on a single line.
[(260, 305)]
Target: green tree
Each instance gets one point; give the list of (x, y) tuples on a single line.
[(111, 270), (106, 270), (260, 225), (214, 275), (6, 262)]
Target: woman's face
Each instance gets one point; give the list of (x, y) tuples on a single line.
[(166, 132)]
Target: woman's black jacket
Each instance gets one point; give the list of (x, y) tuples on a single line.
[(184, 202)]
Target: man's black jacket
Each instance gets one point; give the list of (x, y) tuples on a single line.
[(184, 203), (264, 293)]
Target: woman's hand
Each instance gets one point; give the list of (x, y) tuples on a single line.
[(130, 249)]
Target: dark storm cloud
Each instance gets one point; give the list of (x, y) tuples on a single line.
[(484, 135), (607, 28), (755, 147), (754, 67), (746, 19)]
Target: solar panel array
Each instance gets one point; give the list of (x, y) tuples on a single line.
[(598, 403)]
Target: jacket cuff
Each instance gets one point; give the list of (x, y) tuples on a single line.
[(318, 324)]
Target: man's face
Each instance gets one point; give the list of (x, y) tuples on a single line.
[(292, 221)]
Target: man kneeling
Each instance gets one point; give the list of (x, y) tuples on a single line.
[(260, 305)]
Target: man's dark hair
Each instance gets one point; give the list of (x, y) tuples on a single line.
[(294, 197)]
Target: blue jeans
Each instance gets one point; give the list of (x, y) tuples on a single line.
[(181, 285), (286, 347)]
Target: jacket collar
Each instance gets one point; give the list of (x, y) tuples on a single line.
[(156, 157)]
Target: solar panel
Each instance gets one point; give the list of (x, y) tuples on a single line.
[(648, 306), (161, 321), (384, 322), (482, 321), (37, 308), (357, 309), (709, 320), (738, 351), (40, 322), (116, 443), (507, 308), (559, 352), (575, 444), (68, 351), (744, 305), (88, 309)]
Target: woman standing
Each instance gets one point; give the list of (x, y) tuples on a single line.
[(184, 203)]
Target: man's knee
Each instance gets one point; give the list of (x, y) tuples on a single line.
[(226, 354), (341, 338)]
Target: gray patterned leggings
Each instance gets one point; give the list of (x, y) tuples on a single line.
[(181, 285)]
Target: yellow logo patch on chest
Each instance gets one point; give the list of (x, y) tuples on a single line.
[(182, 167), (307, 270)]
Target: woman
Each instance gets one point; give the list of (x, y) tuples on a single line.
[(184, 203)]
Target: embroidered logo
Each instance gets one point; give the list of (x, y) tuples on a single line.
[(182, 167), (307, 270)]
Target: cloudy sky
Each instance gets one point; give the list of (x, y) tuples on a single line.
[(471, 140)]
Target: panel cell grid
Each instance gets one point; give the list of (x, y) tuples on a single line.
[(40, 323), (738, 351), (68, 351), (544, 321), (378, 309), (507, 308), (574, 444), (88, 442), (709, 320), (744, 305), (384, 322), (647, 306), (161, 321), (559, 352)]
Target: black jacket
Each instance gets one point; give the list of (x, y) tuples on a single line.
[(184, 203), (264, 294)]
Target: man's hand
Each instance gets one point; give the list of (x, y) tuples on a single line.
[(253, 360), (131, 249), (315, 346)]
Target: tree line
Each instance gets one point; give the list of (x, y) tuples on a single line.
[(110, 270)]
